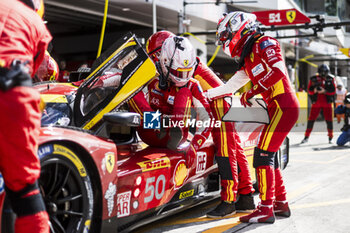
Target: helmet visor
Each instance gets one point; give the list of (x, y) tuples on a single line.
[(181, 72), (221, 37)]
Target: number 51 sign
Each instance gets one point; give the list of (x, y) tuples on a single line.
[(281, 17)]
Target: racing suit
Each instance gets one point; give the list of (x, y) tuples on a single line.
[(24, 37), (265, 67), (175, 103), (320, 101), (227, 141)]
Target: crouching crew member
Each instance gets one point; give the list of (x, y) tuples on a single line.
[(345, 110)]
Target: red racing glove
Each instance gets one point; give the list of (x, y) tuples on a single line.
[(246, 96), (191, 154)]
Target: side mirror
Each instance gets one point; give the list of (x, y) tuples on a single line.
[(130, 119)]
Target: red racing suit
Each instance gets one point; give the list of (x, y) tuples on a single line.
[(266, 69), (227, 141), (23, 36), (322, 101)]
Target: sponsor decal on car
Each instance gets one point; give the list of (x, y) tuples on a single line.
[(154, 164), (62, 150), (109, 196), (185, 194), (123, 204), (180, 174), (258, 69), (155, 188), (201, 161), (110, 161), (71, 156)]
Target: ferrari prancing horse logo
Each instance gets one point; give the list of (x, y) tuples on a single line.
[(186, 62), (110, 161), (291, 16)]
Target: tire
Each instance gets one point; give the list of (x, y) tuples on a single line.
[(66, 188)]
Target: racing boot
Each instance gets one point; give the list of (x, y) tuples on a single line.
[(245, 203), (330, 140), (224, 209), (281, 208), (262, 214), (305, 140)]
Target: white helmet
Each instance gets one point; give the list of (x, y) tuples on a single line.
[(178, 60), (233, 29)]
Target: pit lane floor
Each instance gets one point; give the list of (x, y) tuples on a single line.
[(318, 185)]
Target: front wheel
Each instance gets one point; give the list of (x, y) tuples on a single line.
[(66, 188)]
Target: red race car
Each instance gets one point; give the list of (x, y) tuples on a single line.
[(97, 176)]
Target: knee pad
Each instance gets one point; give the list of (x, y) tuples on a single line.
[(329, 125), (224, 168), (310, 124), (263, 158), (23, 204)]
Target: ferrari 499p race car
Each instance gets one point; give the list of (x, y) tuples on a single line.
[(96, 174)]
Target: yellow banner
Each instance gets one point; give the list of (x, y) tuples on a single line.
[(346, 51)]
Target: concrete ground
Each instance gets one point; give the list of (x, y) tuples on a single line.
[(318, 184)]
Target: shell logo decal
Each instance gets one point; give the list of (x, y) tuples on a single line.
[(180, 174)]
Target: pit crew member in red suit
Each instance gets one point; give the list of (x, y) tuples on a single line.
[(259, 57), (180, 93), (23, 41), (321, 89), (226, 152)]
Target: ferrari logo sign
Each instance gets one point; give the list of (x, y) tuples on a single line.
[(110, 161), (291, 16), (186, 62), (281, 17)]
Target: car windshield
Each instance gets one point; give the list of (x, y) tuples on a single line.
[(106, 84)]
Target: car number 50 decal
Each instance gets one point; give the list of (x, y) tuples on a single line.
[(154, 188)]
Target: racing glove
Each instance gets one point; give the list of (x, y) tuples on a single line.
[(191, 154), (246, 96)]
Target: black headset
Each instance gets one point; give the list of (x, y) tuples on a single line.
[(163, 79)]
